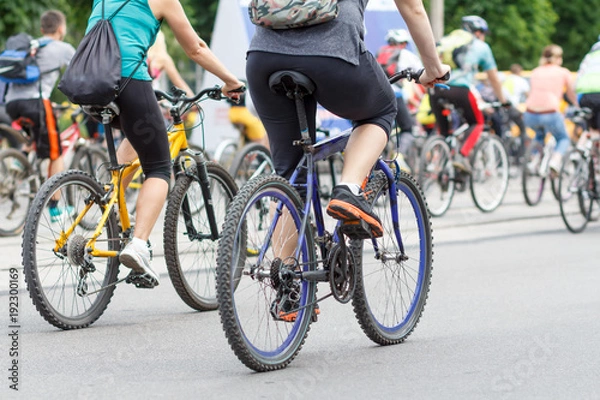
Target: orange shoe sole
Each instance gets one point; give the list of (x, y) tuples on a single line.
[(347, 212)]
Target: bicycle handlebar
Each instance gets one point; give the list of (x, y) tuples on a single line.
[(178, 95), (413, 76)]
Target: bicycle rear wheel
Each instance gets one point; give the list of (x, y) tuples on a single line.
[(190, 251), (437, 175), (394, 278), (17, 188), (252, 160), (575, 198), (489, 179), (61, 277), (533, 180), (251, 285)]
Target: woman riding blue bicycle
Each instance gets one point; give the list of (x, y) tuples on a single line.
[(350, 83)]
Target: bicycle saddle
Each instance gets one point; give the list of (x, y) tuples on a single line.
[(286, 82), (97, 111)]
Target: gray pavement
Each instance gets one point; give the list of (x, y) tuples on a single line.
[(453, 226), (512, 314)]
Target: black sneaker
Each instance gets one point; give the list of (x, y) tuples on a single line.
[(348, 208)]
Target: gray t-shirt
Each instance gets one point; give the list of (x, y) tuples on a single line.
[(342, 37), (55, 54)]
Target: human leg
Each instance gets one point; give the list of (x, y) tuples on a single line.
[(142, 123)]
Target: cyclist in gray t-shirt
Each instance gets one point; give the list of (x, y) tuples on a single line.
[(30, 104), (350, 83)]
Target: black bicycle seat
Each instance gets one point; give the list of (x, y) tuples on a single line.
[(286, 82), (97, 111)]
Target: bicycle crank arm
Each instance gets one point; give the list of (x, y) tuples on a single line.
[(104, 287)]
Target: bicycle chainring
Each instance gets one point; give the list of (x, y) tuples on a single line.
[(342, 274)]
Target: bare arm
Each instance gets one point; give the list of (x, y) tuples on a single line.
[(492, 75), (414, 14), (571, 95), (192, 44)]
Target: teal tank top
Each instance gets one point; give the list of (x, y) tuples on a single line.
[(135, 28)]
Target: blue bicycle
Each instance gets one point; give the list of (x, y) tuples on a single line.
[(277, 246)]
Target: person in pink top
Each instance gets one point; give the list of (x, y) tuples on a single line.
[(549, 82)]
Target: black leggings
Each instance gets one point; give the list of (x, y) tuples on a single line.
[(141, 121), (592, 101), (360, 93)]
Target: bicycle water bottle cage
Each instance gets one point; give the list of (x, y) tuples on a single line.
[(291, 84)]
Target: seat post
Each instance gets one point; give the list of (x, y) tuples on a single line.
[(107, 117)]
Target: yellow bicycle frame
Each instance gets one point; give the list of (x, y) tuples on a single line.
[(177, 142)]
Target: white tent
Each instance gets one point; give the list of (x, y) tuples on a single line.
[(231, 37)]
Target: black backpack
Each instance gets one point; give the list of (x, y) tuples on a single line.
[(93, 76)]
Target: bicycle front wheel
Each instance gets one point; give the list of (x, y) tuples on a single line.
[(437, 175), (575, 198), (17, 188), (190, 250), (252, 286), (489, 179), (67, 287), (252, 160), (392, 288)]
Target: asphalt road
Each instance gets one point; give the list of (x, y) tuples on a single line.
[(513, 313)]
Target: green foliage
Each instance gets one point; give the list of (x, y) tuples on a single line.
[(517, 35), (577, 29)]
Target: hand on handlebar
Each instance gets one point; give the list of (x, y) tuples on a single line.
[(235, 91), (429, 80)]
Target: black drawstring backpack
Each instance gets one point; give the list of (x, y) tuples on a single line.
[(93, 76)]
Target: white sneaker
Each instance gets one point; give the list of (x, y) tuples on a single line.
[(533, 166), (136, 255), (555, 162), (462, 163)]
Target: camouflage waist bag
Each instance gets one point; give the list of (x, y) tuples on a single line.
[(287, 14)]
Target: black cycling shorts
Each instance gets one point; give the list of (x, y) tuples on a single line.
[(360, 93), (592, 101), (38, 119), (142, 122)]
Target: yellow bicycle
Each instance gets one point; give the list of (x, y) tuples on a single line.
[(78, 225)]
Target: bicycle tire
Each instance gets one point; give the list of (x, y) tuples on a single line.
[(389, 310), (533, 182), (53, 276), (225, 152), (252, 160), (10, 138), (17, 188), (92, 159), (191, 262), (574, 198), (490, 168), (437, 175), (260, 341)]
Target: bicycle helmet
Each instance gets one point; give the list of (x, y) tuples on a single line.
[(397, 36), (473, 23)]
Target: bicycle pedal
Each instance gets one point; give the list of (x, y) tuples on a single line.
[(357, 229), (141, 281)]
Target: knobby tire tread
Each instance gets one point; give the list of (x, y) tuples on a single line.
[(32, 280), (176, 274)]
